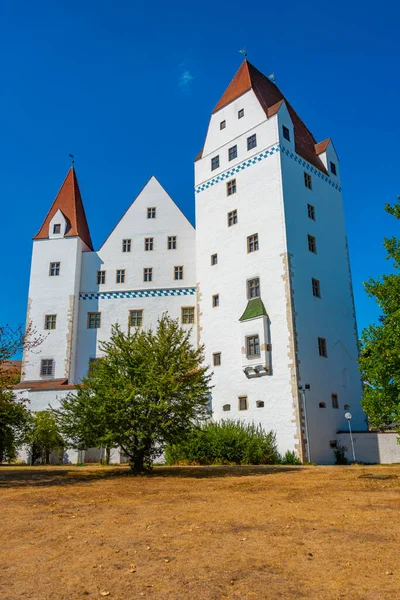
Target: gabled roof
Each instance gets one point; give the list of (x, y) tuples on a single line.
[(69, 202), (322, 146), (270, 97)]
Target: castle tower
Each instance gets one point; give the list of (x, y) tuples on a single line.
[(276, 309), (53, 293)]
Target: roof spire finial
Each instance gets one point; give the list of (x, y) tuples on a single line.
[(244, 52), (72, 157)]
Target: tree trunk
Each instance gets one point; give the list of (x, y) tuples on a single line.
[(137, 464)]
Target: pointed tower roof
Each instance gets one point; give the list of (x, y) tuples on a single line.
[(69, 202), (270, 97)]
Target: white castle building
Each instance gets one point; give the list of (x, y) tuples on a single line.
[(263, 282)]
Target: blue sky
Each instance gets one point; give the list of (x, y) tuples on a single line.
[(128, 88)]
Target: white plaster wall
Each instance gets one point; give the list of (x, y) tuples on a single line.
[(372, 447)]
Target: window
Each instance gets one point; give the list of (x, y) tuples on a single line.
[(322, 404), (232, 153), (94, 320), (253, 287), (151, 213), (286, 133), (148, 274), (54, 269), (215, 300), (135, 318), (312, 244), (242, 402), (333, 443), (171, 242), (188, 315), (251, 142), (240, 113), (335, 401), (252, 242), (316, 288), (222, 125), (50, 321), (57, 228), (120, 278), (178, 272), (217, 359), (126, 245), (322, 347), (214, 163), (148, 244), (307, 180), (260, 404), (46, 367), (101, 277), (252, 346), (333, 169), (232, 218), (226, 407), (214, 259), (231, 187), (311, 211)]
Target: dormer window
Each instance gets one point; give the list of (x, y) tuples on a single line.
[(57, 227)]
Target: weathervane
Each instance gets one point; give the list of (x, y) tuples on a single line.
[(72, 157), (243, 51)]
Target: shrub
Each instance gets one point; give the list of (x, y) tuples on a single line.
[(291, 458), (226, 442), (340, 455)]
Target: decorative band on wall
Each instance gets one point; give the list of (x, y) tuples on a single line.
[(261, 156), (137, 294)]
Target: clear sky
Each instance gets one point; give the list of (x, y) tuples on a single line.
[(128, 88)]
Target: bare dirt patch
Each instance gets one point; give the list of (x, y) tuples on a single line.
[(250, 533)]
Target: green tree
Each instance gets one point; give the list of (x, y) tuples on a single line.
[(44, 436), (380, 343), (149, 389)]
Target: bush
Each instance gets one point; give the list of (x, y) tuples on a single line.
[(340, 455), (291, 458), (225, 443)]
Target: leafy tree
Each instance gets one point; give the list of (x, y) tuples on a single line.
[(44, 436), (380, 344), (148, 389)]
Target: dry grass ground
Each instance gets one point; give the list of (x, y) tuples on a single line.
[(200, 533)]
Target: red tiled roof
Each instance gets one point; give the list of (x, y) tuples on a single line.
[(69, 201), (322, 146), (48, 384), (270, 97), (200, 154), (11, 365)]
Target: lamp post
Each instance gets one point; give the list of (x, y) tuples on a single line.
[(303, 394), (348, 417)]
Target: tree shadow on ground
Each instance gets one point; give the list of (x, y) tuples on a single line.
[(14, 477)]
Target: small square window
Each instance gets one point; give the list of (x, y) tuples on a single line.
[(120, 276), (335, 401), (253, 288), (322, 404), (226, 407), (222, 125), (316, 287), (215, 300), (148, 274), (215, 163), (217, 359), (101, 277), (54, 269), (57, 227), (94, 320), (135, 318), (251, 142), (232, 218), (178, 273), (286, 133), (151, 213), (188, 315), (252, 346), (322, 350), (312, 244), (242, 402), (46, 367), (148, 244), (232, 152), (50, 321), (231, 187), (260, 404), (240, 113), (307, 180), (333, 168), (171, 242), (214, 259), (252, 242), (126, 245), (311, 211)]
